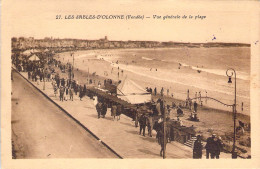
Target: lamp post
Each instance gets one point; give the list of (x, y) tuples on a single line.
[(44, 77), (164, 130), (72, 69), (230, 73)]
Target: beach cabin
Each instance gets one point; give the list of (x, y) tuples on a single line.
[(132, 93)]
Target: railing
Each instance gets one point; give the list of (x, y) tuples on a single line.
[(229, 105)]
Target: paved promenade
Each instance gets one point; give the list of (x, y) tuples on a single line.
[(41, 130), (122, 136)]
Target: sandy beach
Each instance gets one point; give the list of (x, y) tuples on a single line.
[(161, 68)]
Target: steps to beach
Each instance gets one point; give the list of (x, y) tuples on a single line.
[(190, 142)]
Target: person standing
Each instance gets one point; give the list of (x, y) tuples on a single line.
[(71, 93), (99, 107), (190, 104), (84, 90), (197, 148), (37, 79), (150, 125), (218, 146), (155, 91), (142, 123), (162, 90), (210, 147), (58, 82), (55, 89), (195, 106), (158, 107), (160, 138), (61, 93), (67, 92), (80, 92), (104, 109), (29, 75), (119, 111), (76, 88), (113, 111)]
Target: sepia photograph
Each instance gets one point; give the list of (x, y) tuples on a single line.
[(130, 99), (115, 82)]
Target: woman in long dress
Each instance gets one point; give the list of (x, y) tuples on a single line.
[(113, 111), (55, 89)]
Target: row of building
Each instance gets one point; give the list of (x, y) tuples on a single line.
[(27, 43)]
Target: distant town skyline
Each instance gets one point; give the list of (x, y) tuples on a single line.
[(108, 39)]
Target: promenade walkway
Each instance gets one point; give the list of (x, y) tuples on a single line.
[(122, 136)]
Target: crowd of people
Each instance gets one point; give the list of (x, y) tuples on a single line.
[(213, 147), (67, 88)]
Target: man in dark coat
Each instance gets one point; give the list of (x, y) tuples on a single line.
[(210, 146), (142, 123), (62, 90), (99, 108), (219, 146), (160, 138), (62, 82), (195, 106), (104, 109), (80, 93), (197, 148)]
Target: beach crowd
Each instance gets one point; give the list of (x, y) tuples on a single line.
[(147, 116)]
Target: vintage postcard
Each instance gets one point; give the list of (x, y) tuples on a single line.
[(130, 84)]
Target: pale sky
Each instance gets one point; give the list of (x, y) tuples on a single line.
[(37, 19)]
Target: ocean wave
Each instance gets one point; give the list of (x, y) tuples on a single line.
[(141, 71), (220, 72)]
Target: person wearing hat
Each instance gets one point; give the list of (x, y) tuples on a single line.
[(218, 145), (197, 148), (215, 148), (195, 106), (142, 122), (210, 146)]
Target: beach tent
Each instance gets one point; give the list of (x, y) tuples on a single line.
[(46, 50), (131, 92), (27, 52), (34, 58)]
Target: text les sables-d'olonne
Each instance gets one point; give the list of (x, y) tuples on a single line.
[(130, 17)]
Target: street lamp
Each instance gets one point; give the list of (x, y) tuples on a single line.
[(164, 130), (230, 73), (44, 77)]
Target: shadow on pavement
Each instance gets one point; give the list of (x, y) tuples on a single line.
[(93, 115), (108, 118), (132, 132), (150, 139), (149, 152)]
